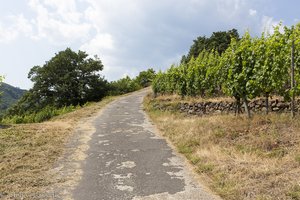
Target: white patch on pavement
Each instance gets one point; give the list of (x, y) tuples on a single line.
[(107, 164), (103, 141), (124, 188), (127, 164), (121, 178), (135, 150)]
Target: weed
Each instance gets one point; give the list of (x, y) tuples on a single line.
[(185, 149), (204, 167), (194, 159), (294, 193), (297, 158), (277, 153), (225, 188)]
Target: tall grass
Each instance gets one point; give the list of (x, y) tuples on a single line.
[(37, 117)]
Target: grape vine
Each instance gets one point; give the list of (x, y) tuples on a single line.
[(250, 67)]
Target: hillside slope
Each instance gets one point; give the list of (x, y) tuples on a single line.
[(10, 95)]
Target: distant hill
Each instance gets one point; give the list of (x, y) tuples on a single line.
[(10, 95)]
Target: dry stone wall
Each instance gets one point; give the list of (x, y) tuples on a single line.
[(209, 107), (229, 107)]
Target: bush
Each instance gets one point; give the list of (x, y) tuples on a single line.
[(38, 117)]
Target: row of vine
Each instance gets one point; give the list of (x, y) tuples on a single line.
[(249, 68)]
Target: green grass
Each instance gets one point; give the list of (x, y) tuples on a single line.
[(297, 158), (38, 117), (205, 167), (225, 187), (295, 192)]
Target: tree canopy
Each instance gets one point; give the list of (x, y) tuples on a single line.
[(69, 78), (127, 84), (145, 78), (218, 41)]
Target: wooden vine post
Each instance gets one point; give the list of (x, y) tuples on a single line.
[(293, 78)]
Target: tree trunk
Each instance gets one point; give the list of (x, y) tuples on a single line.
[(237, 106), (246, 106), (267, 103), (154, 94)]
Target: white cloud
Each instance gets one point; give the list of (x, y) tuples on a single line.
[(131, 35), (252, 12), (100, 43), (268, 24), (59, 21), (66, 9), (18, 26), (230, 8), (7, 34)]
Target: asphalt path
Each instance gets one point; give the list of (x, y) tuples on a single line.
[(128, 159)]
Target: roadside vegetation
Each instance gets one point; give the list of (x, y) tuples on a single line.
[(34, 132), (10, 95), (67, 82), (237, 157), (250, 67), (28, 152)]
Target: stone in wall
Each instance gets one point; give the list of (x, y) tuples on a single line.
[(258, 105)]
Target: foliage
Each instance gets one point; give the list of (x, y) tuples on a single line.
[(127, 84), (123, 86), (248, 68), (218, 41), (10, 95), (36, 117), (67, 79), (1, 80), (145, 78)]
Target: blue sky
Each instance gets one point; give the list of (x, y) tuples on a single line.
[(128, 35)]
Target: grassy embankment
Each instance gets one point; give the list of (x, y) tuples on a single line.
[(29, 151), (238, 158)]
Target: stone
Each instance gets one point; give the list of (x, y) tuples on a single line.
[(264, 109), (282, 105), (191, 112)]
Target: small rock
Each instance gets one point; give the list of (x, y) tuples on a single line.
[(191, 112)]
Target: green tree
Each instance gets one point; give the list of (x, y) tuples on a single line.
[(145, 78), (218, 41), (69, 78), (123, 86)]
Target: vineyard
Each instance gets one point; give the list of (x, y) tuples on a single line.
[(250, 67)]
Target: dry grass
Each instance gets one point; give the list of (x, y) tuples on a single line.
[(238, 158), (28, 152)]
